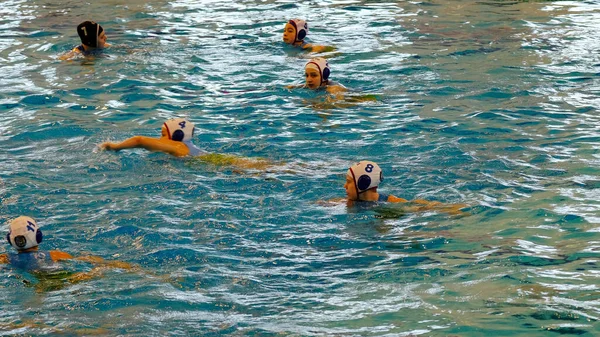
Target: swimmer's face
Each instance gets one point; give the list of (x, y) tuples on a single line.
[(101, 40), (289, 34), (312, 77), (163, 132), (350, 188)]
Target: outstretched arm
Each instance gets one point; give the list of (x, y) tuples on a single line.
[(453, 209), (100, 266), (97, 260), (318, 48), (153, 144), (393, 198), (421, 205), (70, 54)]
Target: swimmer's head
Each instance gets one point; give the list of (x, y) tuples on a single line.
[(178, 129), (294, 31), (91, 34), (24, 233), (361, 177), (316, 72)]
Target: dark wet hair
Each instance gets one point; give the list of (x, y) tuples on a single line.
[(88, 33)]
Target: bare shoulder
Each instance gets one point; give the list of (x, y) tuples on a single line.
[(336, 88)]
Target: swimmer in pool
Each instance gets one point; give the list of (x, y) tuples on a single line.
[(363, 179), (176, 139), (25, 236), (92, 37), (316, 73), (295, 32)]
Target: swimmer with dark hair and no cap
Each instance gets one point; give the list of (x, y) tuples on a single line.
[(363, 179), (25, 236), (295, 32), (92, 37), (176, 139)]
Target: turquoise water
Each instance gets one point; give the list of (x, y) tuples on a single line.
[(492, 104)]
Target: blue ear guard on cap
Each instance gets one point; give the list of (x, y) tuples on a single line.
[(363, 182), (178, 135), (39, 236), (323, 67), (301, 28), (180, 129), (326, 73), (302, 32)]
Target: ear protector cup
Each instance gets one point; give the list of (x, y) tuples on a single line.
[(301, 34), (179, 129), (326, 73), (301, 28), (321, 65), (39, 236), (363, 182), (178, 135)]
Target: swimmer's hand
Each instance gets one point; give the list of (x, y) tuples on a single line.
[(4, 258), (294, 86), (85, 276), (67, 56), (108, 146)]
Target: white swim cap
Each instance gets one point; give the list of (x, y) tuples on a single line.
[(301, 29), (24, 233), (180, 129), (366, 175), (321, 65)]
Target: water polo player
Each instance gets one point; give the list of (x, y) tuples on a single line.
[(92, 37), (294, 33)]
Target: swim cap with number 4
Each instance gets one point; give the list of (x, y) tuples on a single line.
[(366, 175), (179, 129)]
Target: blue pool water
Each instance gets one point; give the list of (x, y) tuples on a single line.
[(492, 103)]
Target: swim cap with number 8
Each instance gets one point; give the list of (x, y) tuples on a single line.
[(366, 175)]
